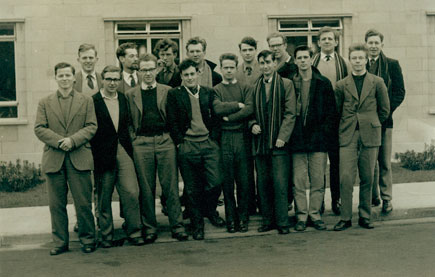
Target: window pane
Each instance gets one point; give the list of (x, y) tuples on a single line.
[(7, 71), (141, 44), (131, 27), (293, 42), (8, 112), (177, 41), (161, 27), (292, 24), (6, 30), (319, 23)]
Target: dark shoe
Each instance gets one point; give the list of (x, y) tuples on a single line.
[(283, 230), (139, 241), (76, 227), (88, 248), (231, 227), (319, 225), (106, 244), (216, 220), (365, 223), (58, 250), (300, 226), (342, 225), (198, 234), (376, 202), (180, 236), (387, 207), (150, 238), (243, 227), (265, 228), (335, 206)]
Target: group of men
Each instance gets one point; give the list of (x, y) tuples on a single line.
[(283, 114)]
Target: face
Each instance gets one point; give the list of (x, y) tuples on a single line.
[(303, 60), (167, 56), (278, 47), (130, 60), (148, 71), (87, 60), (228, 69), (248, 52), (358, 60), (111, 81), (196, 53), (190, 77), (327, 42), (375, 45), (267, 65), (65, 78)]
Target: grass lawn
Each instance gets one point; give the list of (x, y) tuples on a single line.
[(38, 196)]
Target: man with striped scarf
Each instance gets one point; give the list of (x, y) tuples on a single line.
[(272, 126)]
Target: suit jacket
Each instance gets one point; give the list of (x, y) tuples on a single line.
[(179, 112), (78, 85), (134, 99), (105, 142), (175, 79), (81, 126), (368, 111), (288, 69), (216, 77)]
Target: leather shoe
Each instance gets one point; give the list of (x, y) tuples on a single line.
[(216, 220), (88, 248), (180, 236), (150, 238), (335, 206), (365, 223), (198, 234), (138, 241), (58, 250), (376, 202), (342, 225), (283, 230), (106, 244), (387, 207), (300, 226), (76, 228), (243, 226), (231, 227), (319, 225), (265, 228)]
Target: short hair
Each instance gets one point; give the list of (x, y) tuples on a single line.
[(148, 57), (358, 47), (120, 52), (264, 54), (185, 64), (110, 68), (85, 47), (249, 41), (373, 33), (327, 29), (165, 44), (276, 35), (228, 56), (197, 40), (304, 48), (64, 65)]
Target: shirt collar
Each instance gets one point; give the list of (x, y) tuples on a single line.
[(107, 97), (190, 92), (268, 81), (60, 95), (323, 56), (126, 76), (145, 86), (376, 59), (288, 59), (252, 65), (170, 69), (234, 81), (93, 74)]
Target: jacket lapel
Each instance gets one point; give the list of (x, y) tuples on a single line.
[(161, 95), (99, 101), (99, 80), (186, 101), (351, 87), (55, 106), (137, 95), (75, 107), (367, 87)]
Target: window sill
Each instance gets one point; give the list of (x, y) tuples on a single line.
[(13, 121)]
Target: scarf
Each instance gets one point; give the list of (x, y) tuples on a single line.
[(382, 70), (340, 65)]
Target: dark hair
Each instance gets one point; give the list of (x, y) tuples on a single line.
[(197, 40), (327, 29), (85, 47), (110, 68), (249, 41), (64, 65), (373, 33), (120, 52), (185, 64), (148, 57), (304, 48), (264, 54), (276, 35), (358, 47), (165, 44), (228, 56)]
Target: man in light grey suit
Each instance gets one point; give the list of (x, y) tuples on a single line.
[(362, 102), (65, 122), (87, 80)]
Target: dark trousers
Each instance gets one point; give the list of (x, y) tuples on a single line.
[(234, 157), (334, 173), (200, 167), (80, 184), (273, 174), (253, 198)]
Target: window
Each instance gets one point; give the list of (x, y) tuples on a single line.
[(8, 92)]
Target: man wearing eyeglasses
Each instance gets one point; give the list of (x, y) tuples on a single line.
[(113, 158), (153, 150)]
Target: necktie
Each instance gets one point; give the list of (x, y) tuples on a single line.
[(372, 61), (132, 81), (248, 70), (90, 82), (149, 87), (328, 57)]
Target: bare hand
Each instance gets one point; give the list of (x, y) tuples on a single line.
[(279, 143), (65, 144), (241, 105), (225, 118), (256, 130)]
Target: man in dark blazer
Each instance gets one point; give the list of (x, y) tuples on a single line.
[(153, 150), (195, 130), (113, 159), (389, 70), (87, 80), (363, 105), (129, 59), (65, 122), (167, 51)]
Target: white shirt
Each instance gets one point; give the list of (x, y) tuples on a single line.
[(145, 86), (234, 81), (323, 56), (127, 77)]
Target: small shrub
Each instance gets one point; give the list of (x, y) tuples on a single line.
[(19, 176), (418, 161)]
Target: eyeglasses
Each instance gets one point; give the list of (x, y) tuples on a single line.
[(145, 70), (111, 80), (276, 45)]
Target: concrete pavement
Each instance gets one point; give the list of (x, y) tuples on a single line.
[(31, 225)]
